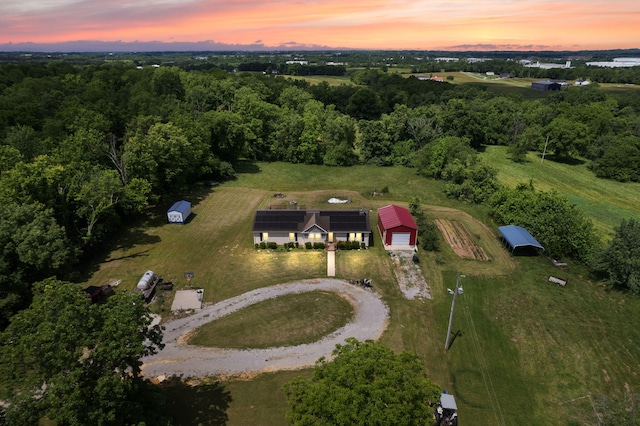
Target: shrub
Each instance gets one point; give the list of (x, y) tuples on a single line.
[(263, 245), (256, 245), (308, 245), (355, 245), (318, 246), (363, 246), (297, 244), (272, 245)]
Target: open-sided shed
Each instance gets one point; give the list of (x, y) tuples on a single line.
[(179, 212), (518, 238), (397, 228)]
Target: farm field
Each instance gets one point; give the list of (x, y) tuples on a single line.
[(525, 351)]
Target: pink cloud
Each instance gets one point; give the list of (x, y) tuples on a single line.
[(400, 24)]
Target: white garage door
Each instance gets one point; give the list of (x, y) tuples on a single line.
[(400, 238)]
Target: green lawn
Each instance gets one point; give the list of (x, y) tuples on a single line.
[(292, 319), (525, 351)]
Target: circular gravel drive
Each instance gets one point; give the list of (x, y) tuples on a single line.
[(183, 360)]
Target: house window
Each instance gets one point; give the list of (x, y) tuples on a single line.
[(264, 236), (292, 236), (352, 236), (315, 236), (359, 237)]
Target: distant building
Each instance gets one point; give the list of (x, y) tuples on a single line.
[(617, 63), (476, 60), (546, 66), (546, 86)]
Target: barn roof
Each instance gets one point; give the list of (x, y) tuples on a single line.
[(303, 220), (517, 236), (393, 216), (180, 206)]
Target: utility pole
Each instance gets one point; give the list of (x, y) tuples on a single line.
[(545, 149), (455, 293)]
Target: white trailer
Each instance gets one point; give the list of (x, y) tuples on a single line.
[(147, 284)]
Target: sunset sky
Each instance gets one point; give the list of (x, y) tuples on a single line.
[(358, 24)]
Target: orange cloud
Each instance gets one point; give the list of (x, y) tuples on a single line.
[(377, 24)]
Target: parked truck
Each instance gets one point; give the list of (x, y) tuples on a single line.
[(147, 284)]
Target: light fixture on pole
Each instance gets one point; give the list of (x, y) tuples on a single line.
[(456, 292)]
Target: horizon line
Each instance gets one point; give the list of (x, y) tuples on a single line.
[(101, 46)]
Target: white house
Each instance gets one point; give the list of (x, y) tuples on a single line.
[(302, 226)]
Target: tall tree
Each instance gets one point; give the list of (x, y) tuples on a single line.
[(619, 263), (33, 246), (567, 137), (78, 363), (365, 384), (163, 156)]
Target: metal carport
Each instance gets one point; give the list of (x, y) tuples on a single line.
[(518, 237)]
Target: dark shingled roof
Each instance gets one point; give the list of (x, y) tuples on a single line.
[(301, 220)]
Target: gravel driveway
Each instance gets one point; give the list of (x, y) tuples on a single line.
[(183, 360)]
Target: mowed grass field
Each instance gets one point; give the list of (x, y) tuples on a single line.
[(525, 351), (606, 202)]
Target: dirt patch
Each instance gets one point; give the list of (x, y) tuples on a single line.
[(410, 278), (460, 240)]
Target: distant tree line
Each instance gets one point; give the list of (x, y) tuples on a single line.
[(579, 70)]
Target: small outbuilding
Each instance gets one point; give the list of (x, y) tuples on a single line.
[(397, 228), (179, 212), (518, 238), (545, 86)]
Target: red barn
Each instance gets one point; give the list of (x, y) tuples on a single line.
[(397, 228)]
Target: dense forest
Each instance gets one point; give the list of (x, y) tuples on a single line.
[(86, 148)]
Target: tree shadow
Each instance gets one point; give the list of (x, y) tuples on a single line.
[(125, 240), (564, 159), (204, 404), (246, 166)]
